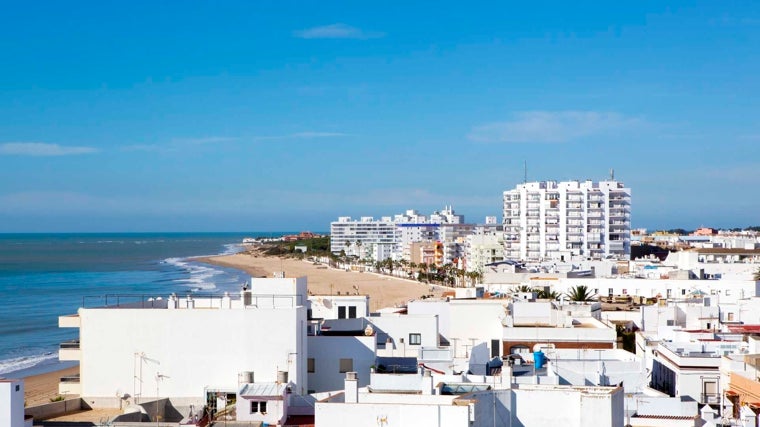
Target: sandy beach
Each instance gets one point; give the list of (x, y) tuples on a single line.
[(39, 389), (384, 291)]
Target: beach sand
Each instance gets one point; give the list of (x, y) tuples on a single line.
[(384, 291), (39, 389)]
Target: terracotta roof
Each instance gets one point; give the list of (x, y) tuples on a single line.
[(726, 251), (744, 329)]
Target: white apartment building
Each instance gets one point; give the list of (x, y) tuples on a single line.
[(484, 246), (560, 220), (391, 237), (363, 236), (188, 347)]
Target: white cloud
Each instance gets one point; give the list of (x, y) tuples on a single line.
[(41, 149), (336, 31), (553, 126)]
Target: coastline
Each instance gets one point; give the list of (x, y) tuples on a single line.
[(384, 291), (41, 385)]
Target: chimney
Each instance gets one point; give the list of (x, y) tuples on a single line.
[(351, 393), (427, 382)]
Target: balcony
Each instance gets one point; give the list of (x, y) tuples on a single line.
[(69, 385), (69, 350), (70, 321)]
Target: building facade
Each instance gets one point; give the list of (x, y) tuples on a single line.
[(392, 237), (560, 220)]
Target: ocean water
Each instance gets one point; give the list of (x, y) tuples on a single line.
[(43, 276)]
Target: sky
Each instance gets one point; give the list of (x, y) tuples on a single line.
[(278, 115)]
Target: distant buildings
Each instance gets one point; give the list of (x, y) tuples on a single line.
[(560, 220), (392, 237)]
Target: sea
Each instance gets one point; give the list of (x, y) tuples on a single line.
[(44, 276)]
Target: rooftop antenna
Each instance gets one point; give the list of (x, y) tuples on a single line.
[(525, 169), (612, 174)]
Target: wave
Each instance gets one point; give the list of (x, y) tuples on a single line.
[(200, 275), (232, 248), (24, 362)]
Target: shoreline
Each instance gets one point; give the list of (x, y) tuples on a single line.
[(383, 291), (41, 384)]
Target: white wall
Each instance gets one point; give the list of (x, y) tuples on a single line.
[(11, 403), (572, 407), (465, 323), (721, 290), (398, 327), (195, 348), (560, 334), (327, 352), (275, 413), (326, 306), (391, 414)]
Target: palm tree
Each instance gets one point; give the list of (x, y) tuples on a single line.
[(423, 270), (580, 293), (522, 288), (545, 294), (756, 276)]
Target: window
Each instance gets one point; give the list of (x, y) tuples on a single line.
[(730, 317), (18, 387), (310, 365), (352, 312), (415, 339), (346, 365), (257, 406), (495, 344), (341, 312)]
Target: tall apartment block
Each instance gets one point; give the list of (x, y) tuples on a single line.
[(390, 237), (559, 220)]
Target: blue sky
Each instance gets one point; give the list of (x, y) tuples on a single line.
[(197, 116)]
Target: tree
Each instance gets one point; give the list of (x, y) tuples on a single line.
[(545, 294), (580, 293), (756, 276)]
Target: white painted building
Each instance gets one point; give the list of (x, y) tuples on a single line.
[(12, 404), (484, 246), (184, 347), (435, 401), (691, 369), (330, 357), (560, 220), (391, 237), (362, 237), (453, 238)]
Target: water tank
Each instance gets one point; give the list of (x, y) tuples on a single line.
[(282, 377), (245, 377), (539, 359)]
